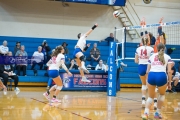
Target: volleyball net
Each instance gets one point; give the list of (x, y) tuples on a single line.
[(130, 38)]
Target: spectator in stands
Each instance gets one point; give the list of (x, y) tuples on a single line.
[(95, 54), (45, 50), (6, 72), (109, 39), (23, 66), (72, 65), (4, 49), (38, 58), (21, 51), (101, 66), (66, 51), (17, 47)]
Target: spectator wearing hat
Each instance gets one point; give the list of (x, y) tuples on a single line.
[(17, 47), (4, 49), (66, 53), (45, 50)]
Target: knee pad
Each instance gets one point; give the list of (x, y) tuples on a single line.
[(161, 98), (149, 100), (156, 89), (55, 86), (143, 87), (82, 58), (59, 87)]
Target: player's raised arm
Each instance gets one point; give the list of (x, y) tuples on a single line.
[(93, 27)]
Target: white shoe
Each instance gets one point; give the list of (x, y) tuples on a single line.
[(17, 90), (55, 100), (5, 91), (84, 79), (84, 69), (143, 103), (46, 95)]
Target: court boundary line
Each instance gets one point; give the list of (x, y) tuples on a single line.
[(62, 109)]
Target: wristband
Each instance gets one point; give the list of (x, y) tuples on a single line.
[(141, 34), (146, 32), (160, 30), (86, 48), (93, 27)]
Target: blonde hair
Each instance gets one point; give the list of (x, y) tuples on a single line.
[(161, 49), (58, 50), (144, 41)]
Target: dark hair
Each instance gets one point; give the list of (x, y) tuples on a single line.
[(161, 48), (145, 41), (58, 50), (150, 35), (79, 35)]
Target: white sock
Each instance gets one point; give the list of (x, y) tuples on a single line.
[(146, 111)]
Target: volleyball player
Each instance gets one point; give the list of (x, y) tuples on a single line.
[(78, 52), (4, 87), (161, 37), (141, 57), (56, 61), (157, 77)]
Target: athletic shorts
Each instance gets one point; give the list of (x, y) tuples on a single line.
[(53, 73), (142, 69), (76, 51), (157, 78)]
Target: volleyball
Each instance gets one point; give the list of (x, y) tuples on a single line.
[(116, 13)]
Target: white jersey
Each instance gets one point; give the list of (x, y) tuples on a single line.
[(156, 65), (4, 49), (81, 42), (56, 62), (144, 53)]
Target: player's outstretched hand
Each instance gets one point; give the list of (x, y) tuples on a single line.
[(160, 21), (69, 74), (96, 24)]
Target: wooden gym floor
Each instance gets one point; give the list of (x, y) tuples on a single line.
[(30, 104)]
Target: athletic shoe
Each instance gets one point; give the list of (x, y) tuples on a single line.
[(54, 100), (5, 91), (84, 69), (17, 90), (155, 106), (46, 95), (47, 88), (145, 116), (84, 79), (173, 90), (124, 65), (143, 103), (157, 115)]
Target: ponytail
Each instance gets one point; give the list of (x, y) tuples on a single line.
[(161, 49), (57, 50)]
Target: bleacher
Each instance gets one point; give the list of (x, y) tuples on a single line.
[(31, 45), (128, 78)]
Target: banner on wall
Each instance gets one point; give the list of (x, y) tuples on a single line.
[(100, 2), (75, 81), (112, 70)]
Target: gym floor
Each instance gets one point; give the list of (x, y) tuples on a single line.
[(30, 104)]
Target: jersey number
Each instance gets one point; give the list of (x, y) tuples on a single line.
[(143, 52)]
